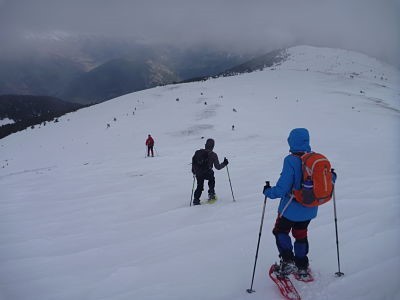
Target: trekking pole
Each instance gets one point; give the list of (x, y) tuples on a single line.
[(230, 183), (191, 196), (338, 273), (156, 151), (250, 290)]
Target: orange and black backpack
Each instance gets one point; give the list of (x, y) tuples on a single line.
[(317, 185)]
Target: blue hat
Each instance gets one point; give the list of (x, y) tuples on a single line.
[(299, 140)]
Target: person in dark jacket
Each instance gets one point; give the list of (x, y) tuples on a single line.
[(292, 216), (150, 145), (207, 173)]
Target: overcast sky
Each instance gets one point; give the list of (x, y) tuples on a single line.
[(369, 26)]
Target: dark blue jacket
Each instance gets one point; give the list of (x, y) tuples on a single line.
[(299, 141)]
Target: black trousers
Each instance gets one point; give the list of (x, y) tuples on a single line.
[(150, 149), (208, 175)]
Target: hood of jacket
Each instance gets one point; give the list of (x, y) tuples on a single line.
[(210, 144), (299, 140)]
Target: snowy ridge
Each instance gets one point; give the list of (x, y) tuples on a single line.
[(84, 215)]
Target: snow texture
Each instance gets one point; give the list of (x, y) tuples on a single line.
[(85, 215), (6, 121)]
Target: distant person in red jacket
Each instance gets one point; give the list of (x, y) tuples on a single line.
[(150, 145)]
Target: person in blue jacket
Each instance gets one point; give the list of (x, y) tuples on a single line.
[(292, 216)]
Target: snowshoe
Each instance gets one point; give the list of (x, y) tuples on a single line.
[(212, 199), (284, 284)]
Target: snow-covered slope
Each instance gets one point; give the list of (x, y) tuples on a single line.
[(84, 215)]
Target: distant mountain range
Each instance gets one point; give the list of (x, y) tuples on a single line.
[(256, 64), (259, 63), (117, 77), (92, 69)]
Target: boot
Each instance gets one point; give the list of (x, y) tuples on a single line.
[(287, 267), (304, 275)]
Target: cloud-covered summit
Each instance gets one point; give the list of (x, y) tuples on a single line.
[(369, 26)]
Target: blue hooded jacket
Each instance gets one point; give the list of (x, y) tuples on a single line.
[(299, 141)]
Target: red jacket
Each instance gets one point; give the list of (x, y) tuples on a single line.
[(150, 141)]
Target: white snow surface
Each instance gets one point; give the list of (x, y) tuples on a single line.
[(6, 121), (84, 215)]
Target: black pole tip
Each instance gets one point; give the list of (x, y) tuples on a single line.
[(339, 274), (250, 291)]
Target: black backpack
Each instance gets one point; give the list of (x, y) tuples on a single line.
[(200, 161)]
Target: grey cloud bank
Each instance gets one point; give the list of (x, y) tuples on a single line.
[(368, 26)]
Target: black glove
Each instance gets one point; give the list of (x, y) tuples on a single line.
[(226, 162), (266, 186)]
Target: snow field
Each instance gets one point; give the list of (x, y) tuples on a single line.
[(84, 215)]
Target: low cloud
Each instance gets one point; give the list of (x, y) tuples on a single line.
[(369, 26)]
